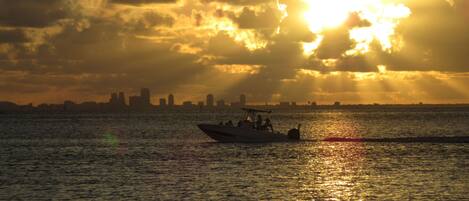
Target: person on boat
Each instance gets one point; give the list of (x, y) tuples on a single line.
[(259, 122), (268, 125), (240, 123), (229, 123)]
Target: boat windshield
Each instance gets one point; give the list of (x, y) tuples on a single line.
[(251, 113)]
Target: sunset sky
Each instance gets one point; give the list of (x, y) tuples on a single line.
[(354, 51)]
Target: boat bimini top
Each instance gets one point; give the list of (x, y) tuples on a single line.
[(251, 113)]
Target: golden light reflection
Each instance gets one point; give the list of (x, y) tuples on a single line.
[(340, 168), (334, 173)]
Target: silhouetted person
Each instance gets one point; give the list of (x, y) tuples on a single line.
[(229, 123), (268, 125), (259, 122), (239, 123)]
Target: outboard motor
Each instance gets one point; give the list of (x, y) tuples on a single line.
[(294, 133)]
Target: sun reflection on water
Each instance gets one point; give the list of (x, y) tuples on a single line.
[(335, 175), (337, 169)]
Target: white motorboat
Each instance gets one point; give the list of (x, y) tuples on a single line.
[(245, 131)]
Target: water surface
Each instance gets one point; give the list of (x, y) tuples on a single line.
[(165, 156)]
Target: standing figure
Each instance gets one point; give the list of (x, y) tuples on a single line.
[(259, 122)]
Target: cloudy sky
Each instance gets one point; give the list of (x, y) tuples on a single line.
[(354, 51)]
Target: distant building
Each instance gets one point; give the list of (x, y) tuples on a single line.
[(284, 104), (135, 102), (117, 101), (69, 105), (293, 104), (113, 99), (200, 104), (87, 106), (145, 95), (121, 99), (235, 104), (221, 103), (242, 100), (170, 100), (162, 102), (210, 100), (187, 104), (337, 103)]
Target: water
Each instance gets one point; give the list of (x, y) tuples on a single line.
[(165, 157)]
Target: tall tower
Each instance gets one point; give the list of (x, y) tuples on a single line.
[(145, 94), (121, 99), (242, 100), (170, 100), (210, 100), (113, 99)]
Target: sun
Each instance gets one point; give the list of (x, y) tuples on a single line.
[(322, 14), (382, 19)]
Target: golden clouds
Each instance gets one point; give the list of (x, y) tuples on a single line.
[(299, 49), (239, 69)]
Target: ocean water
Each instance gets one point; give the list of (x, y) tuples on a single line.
[(163, 156)]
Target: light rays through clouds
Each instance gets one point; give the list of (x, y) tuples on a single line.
[(354, 51)]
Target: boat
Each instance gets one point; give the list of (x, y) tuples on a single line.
[(246, 132)]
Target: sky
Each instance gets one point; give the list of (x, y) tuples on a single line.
[(353, 51)]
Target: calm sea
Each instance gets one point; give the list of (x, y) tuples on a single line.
[(163, 156)]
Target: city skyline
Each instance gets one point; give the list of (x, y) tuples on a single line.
[(144, 100), (119, 102)]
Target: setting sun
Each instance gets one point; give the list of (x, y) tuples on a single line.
[(326, 14), (368, 20)]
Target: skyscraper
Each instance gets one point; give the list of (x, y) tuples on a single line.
[(210, 100), (162, 102), (135, 102), (221, 103), (121, 99), (145, 94), (171, 100), (113, 99), (242, 100)]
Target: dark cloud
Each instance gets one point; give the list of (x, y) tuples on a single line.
[(436, 40), (354, 20), (110, 55), (249, 19), (147, 22), (359, 63), (334, 43), (13, 36), (223, 45), (32, 13)]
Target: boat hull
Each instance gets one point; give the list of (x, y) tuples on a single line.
[(223, 133)]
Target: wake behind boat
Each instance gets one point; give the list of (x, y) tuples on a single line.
[(249, 131)]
